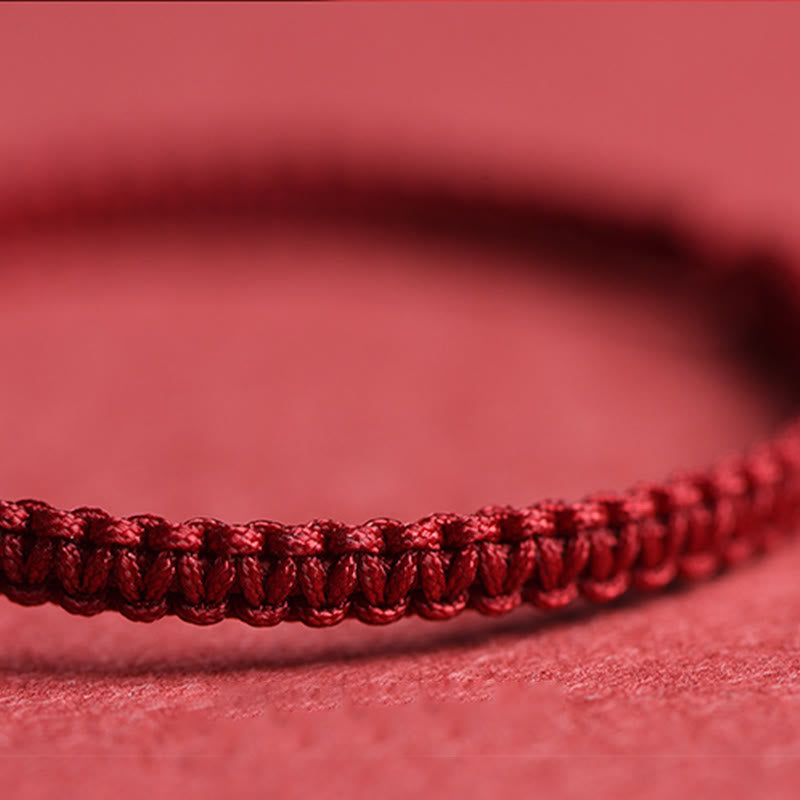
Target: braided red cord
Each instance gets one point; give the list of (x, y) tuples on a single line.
[(263, 572)]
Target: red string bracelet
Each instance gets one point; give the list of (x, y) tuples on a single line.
[(203, 570)]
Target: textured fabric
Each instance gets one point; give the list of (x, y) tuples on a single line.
[(536, 387)]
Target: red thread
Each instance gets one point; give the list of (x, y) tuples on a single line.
[(321, 572)]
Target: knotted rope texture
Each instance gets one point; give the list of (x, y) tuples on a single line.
[(319, 573)]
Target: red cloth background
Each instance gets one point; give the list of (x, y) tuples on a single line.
[(352, 379)]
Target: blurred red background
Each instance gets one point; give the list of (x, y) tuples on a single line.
[(354, 377)]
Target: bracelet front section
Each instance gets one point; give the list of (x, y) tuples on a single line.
[(322, 572)]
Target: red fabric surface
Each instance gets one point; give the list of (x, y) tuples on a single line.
[(533, 387)]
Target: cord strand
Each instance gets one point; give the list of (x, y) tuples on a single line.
[(321, 572)]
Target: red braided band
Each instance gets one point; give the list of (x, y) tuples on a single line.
[(319, 573)]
